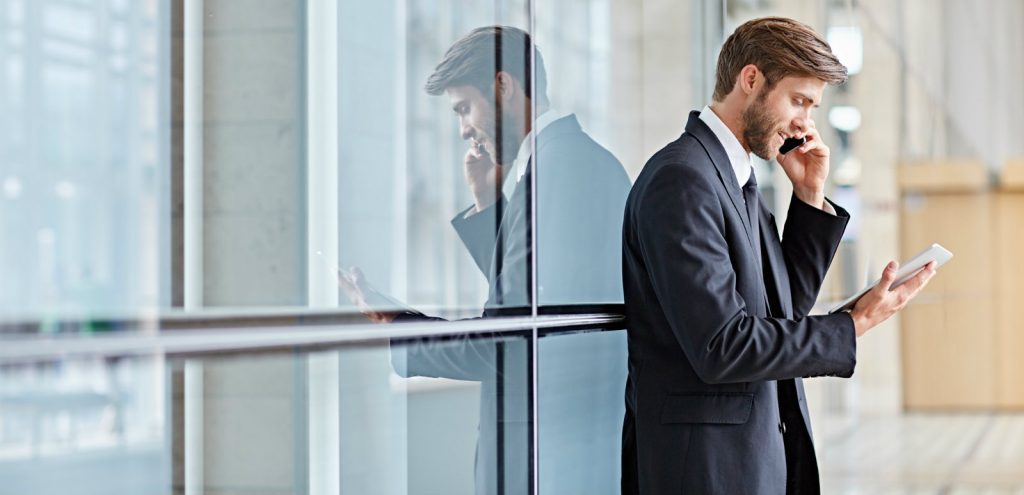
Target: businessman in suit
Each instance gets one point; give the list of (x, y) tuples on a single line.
[(581, 191), (717, 306)]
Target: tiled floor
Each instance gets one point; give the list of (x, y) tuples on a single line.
[(922, 454)]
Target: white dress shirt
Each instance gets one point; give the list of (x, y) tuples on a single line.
[(740, 160)]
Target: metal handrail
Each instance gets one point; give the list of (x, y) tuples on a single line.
[(45, 347)]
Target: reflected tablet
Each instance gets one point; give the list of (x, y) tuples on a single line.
[(936, 253), (374, 298)]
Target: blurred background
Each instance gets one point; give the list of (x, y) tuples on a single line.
[(180, 179)]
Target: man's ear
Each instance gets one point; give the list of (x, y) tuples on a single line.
[(504, 86), (749, 79)]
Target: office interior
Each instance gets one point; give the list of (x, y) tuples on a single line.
[(182, 181)]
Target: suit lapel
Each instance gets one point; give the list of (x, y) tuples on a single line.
[(716, 152), (775, 263)]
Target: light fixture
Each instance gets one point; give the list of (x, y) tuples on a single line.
[(847, 44), (12, 187), (65, 189), (844, 118)]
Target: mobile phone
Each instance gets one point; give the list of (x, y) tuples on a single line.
[(790, 144)]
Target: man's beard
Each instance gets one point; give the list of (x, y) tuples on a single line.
[(759, 128)]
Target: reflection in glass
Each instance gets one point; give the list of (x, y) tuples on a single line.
[(495, 83), (580, 408), (88, 426), (499, 96), (343, 418), (334, 420), (500, 366), (83, 157)]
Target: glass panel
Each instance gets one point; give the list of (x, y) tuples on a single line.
[(580, 402), (100, 424), (618, 79), (470, 392), (431, 206), (417, 417), (437, 415), (84, 161)]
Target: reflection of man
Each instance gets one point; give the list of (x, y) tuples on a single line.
[(581, 187), (717, 306), (581, 190)]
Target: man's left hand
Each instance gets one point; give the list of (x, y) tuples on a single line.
[(807, 168)]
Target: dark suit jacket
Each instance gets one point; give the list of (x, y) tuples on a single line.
[(581, 190), (714, 381)]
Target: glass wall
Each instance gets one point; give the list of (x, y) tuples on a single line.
[(269, 183), (341, 246), (193, 154), (85, 157), (366, 418)]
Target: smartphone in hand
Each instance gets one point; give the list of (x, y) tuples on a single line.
[(790, 144)]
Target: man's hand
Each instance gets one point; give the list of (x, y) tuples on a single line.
[(483, 176), (352, 283), (878, 304), (807, 168)]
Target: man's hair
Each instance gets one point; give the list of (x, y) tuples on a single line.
[(779, 47), (478, 57)]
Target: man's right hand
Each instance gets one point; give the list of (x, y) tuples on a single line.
[(352, 283), (880, 302), (483, 177)]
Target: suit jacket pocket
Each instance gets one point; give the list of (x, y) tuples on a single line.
[(710, 408)]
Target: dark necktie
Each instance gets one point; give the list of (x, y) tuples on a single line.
[(750, 196), (753, 207)]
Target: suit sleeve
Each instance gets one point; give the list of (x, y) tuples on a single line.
[(681, 232), (809, 242), (478, 232), (461, 357)]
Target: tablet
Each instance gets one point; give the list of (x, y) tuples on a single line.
[(374, 298), (936, 253)]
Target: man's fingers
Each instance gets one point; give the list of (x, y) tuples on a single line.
[(918, 281), (357, 275), (812, 140), (888, 275)]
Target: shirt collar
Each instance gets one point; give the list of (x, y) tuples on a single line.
[(526, 150), (740, 160)]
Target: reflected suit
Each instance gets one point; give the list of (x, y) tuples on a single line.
[(581, 191)]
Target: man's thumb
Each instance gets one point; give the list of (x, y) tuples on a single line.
[(889, 274)]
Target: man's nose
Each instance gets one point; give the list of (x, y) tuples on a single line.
[(800, 123), (465, 131)]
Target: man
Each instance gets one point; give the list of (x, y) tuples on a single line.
[(717, 307), (581, 191)]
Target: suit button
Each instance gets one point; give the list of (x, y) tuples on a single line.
[(782, 427)]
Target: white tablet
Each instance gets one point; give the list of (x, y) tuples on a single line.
[(936, 253)]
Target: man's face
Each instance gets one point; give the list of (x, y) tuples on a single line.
[(782, 112), (486, 122)]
